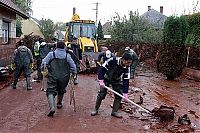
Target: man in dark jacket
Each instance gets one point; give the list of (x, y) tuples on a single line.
[(22, 60), (60, 64), (115, 71)]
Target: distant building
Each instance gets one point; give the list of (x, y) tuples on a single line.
[(60, 35), (8, 12), (155, 18), (106, 27)]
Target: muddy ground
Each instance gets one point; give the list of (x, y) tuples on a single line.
[(25, 111)]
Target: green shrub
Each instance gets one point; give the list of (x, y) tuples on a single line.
[(172, 55)]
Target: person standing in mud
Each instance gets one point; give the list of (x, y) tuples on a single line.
[(77, 60), (115, 71), (59, 64), (134, 62), (22, 61), (41, 49)]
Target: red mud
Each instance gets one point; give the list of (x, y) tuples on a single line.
[(25, 111)]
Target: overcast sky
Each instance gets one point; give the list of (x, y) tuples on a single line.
[(61, 10)]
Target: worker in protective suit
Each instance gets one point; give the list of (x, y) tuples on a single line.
[(22, 61), (115, 71), (103, 56), (59, 64), (134, 62), (41, 49)]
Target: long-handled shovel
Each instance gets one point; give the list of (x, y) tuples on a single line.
[(72, 94), (43, 88), (147, 111)]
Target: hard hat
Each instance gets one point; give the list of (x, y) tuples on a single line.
[(127, 48), (43, 43), (108, 54)]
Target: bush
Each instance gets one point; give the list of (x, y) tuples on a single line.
[(172, 55)]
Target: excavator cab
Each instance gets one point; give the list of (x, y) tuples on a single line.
[(80, 36), (82, 33)]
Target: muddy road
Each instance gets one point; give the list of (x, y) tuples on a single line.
[(25, 111)]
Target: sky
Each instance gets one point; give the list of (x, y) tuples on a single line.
[(61, 10)]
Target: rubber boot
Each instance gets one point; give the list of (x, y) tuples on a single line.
[(14, 84), (59, 103), (95, 111), (116, 106), (75, 80), (28, 81), (51, 105)]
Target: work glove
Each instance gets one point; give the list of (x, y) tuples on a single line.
[(12, 66), (102, 85), (125, 95), (31, 66)]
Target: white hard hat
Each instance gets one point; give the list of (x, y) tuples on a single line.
[(43, 43), (127, 48), (108, 54)]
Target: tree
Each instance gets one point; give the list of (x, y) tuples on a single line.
[(25, 6), (100, 31), (60, 26), (172, 56), (134, 29), (48, 28), (18, 28)]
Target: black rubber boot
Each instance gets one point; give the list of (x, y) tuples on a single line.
[(59, 103), (14, 84), (116, 106), (28, 81), (75, 80), (95, 111), (51, 105)]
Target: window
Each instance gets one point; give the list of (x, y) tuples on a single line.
[(5, 31)]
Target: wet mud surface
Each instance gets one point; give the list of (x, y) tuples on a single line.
[(25, 111)]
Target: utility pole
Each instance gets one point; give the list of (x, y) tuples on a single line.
[(96, 9)]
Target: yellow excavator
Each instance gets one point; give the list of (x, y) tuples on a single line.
[(80, 37)]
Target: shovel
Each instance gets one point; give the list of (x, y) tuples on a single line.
[(147, 111), (43, 88)]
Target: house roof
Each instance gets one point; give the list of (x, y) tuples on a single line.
[(106, 27), (11, 6), (156, 18)]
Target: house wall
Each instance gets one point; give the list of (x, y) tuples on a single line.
[(6, 50)]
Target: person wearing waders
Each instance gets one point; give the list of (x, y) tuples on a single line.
[(59, 65), (115, 71), (22, 61), (134, 62)]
